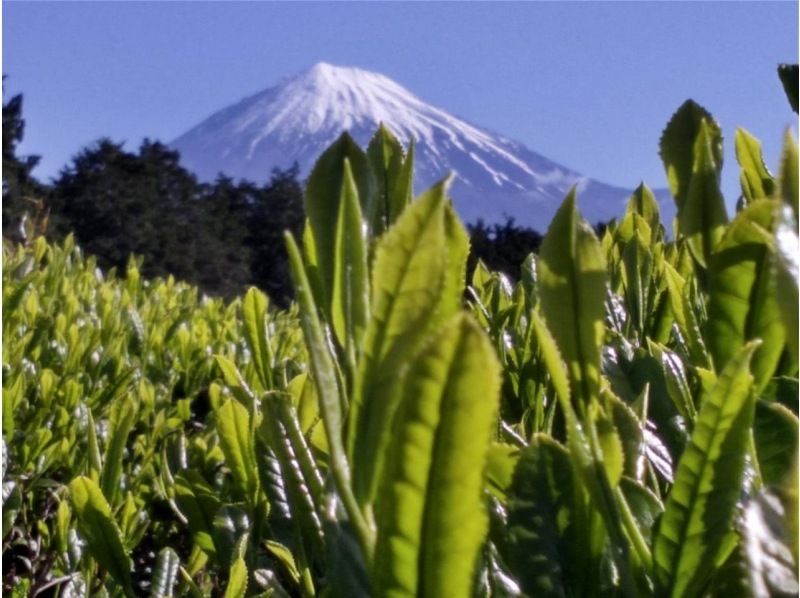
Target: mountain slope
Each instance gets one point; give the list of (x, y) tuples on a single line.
[(297, 119)]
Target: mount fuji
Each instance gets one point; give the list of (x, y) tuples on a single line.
[(295, 121)]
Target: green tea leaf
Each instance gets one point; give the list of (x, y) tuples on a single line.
[(756, 180), (775, 431), (677, 148), (682, 309), (644, 203), (572, 290), (285, 556), (198, 502), (254, 314), (675, 378), (96, 524), (408, 297), (742, 300), (236, 439), (350, 298), (630, 432), (502, 460), (95, 461), (323, 196), (457, 240), (694, 532), (393, 175), (234, 380), (703, 216), (123, 417), (432, 518), (644, 505), (232, 529), (556, 368), (638, 265), (302, 479), (540, 515), (610, 445), (329, 390), (237, 580)]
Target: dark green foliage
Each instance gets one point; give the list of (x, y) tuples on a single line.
[(789, 75), (118, 203), (222, 236), (501, 247), (277, 207), (19, 187)]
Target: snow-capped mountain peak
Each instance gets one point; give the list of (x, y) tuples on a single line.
[(294, 121)]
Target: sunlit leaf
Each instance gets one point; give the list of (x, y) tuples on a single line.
[(254, 314), (572, 281), (393, 172), (236, 439), (408, 296), (677, 148), (742, 297), (431, 516), (756, 180), (350, 293), (96, 524), (322, 198), (693, 535), (702, 217), (122, 419)]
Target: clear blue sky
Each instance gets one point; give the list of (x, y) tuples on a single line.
[(590, 85)]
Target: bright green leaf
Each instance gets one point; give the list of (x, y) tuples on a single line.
[(123, 417), (237, 580), (572, 290), (393, 175), (236, 439), (677, 148), (787, 274), (788, 179), (432, 518), (703, 216), (350, 294), (695, 528), (742, 300), (323, 196), (102, 534), (756, 180), (409, 274), (254, 314)]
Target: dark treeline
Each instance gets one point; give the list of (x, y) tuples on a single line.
[(222, 236), (501, 247)]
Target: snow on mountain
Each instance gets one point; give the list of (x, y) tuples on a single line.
[(296, 120)]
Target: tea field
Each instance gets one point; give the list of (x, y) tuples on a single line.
[(620, 422)]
